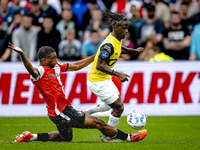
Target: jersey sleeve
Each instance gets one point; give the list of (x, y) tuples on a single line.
[(106, 51), (63, 66), (40, 71)]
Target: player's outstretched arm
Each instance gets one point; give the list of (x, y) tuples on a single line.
[(80, 64), (32, 70), (126, 50), (101, 66)]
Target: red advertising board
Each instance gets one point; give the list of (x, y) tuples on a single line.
[(156, 88)]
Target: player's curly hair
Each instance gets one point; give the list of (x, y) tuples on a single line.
[(109, 18), (44, 51)]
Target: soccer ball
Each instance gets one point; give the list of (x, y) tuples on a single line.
[(136, 119)]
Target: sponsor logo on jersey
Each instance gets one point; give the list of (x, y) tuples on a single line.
[(107, 48), (53, 75), (104, 54)]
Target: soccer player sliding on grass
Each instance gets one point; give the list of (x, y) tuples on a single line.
[(46, 77)]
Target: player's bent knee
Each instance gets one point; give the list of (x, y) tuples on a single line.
[(120, 109)]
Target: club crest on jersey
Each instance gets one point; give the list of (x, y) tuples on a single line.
[(60, 63), (104, 54)]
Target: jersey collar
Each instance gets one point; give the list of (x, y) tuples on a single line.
[(115, 39)]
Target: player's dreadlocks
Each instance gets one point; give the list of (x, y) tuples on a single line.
[(111, 18)]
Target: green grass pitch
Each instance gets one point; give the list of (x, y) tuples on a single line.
[(164, 133)]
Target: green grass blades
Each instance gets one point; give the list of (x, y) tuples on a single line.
[(164, 133)]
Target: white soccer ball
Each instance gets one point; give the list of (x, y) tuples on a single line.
[(137, 119)]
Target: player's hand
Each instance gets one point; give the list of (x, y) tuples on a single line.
[(17, 49), (139, 50), (123, 77)]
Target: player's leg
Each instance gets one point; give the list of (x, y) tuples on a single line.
[(101, 107), (28, 137), (109, 94), (93, 122), (115, 102), (103, 91), (51, 136), (62, 123), (64, 132), (117, 110)]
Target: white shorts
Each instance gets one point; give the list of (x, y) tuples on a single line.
[(105, 90)]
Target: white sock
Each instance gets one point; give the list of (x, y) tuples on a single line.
[(97, 108), (128, 138), (113, 121), (34, 138)]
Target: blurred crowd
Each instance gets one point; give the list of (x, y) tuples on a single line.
[(167, 29)]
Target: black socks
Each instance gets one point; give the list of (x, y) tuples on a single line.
[(43, 137), (121, 135)]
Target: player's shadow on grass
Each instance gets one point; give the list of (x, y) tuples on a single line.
[(97, 142)]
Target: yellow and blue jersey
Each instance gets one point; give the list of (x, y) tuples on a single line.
[(108, 51)]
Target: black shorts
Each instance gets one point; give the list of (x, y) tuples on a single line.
[(69, 118)]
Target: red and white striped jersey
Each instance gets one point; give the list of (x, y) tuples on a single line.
[(50, 87)]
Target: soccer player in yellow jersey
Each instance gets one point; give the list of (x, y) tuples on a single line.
[(99, 80)]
